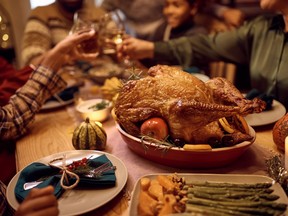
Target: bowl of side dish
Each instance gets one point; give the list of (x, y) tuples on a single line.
[(95, 109)]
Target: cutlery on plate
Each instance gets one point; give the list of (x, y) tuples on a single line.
[(30, 185), (95, 173)]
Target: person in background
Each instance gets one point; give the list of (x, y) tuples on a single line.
[(232, 17), (48, 25), (260, 43), (142, 18), (179, 21)]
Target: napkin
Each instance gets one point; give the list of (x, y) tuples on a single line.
[(255, 93), (66, 94), (37, 171)]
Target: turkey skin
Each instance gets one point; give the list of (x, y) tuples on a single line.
[(190, 107)]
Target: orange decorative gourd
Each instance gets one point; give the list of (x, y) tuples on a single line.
[(280, 131)]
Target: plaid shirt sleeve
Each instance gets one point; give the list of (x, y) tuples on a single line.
[(19, 113)]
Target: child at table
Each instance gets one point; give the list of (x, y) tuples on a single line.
[(143, 23), (179, 21)]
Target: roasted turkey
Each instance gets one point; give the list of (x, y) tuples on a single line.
[(190, 107)]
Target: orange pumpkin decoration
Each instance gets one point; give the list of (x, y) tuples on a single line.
[(280, 132)]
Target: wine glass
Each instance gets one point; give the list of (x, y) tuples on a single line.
[(112, 31), (83, 22)]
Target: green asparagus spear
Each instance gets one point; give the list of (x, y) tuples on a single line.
[(235, 196), (262, 208), (231, 190), (213, 211), (236, 185)]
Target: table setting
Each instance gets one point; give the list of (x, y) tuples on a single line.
[(93, 191), (273, 112), (116, 127), (244, 160)]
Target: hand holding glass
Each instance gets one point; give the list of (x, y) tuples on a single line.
[(111, 32), (83, 24)]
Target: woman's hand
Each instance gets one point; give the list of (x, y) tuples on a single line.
[(39, 202)]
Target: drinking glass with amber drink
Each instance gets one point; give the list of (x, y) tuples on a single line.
[(83, 23)]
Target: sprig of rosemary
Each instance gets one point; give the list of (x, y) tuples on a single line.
[(102, 105)]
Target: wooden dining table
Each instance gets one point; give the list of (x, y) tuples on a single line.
[(52, 131)]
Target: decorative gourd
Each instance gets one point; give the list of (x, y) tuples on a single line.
[(89, 135), (280, 131)]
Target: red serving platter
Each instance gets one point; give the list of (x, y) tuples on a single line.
[(178, 157)]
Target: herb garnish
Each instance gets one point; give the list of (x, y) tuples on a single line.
[(102, 105)]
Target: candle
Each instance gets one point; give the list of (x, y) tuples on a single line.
[(286, 153)]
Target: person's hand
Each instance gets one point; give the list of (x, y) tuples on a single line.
[(66, 51), (39, 202), (233, 17), (135, 48)]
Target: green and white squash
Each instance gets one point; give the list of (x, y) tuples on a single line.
[(89, 135)]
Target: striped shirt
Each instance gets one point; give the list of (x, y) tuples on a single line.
[(46, 27)]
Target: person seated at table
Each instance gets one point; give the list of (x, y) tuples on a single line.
[(17, 115), (179, 21), (260, 43), (142, 17), (48, 25), (40, 201), (41, 85)]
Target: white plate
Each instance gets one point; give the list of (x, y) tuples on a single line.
[(75, 202), (267, 117), (230, 178), (200, 76), (53, 104)]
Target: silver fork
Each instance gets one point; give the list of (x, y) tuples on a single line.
[(96, 173)]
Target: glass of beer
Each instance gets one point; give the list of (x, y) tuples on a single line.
[(83, 23)]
